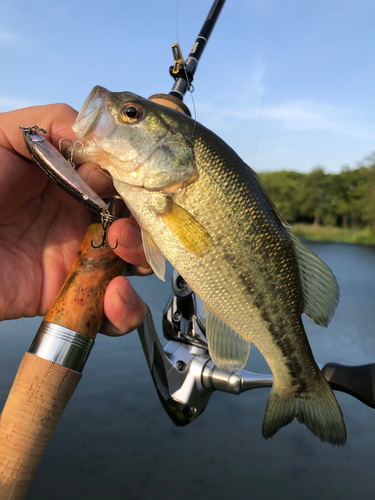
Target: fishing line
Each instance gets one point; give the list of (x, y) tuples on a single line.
[(193, 102), (176, 22), (53, 137), (266, 78), (60, 142), (74, 144), (136, 162), (191, 87)]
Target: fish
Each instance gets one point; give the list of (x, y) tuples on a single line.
[(200, 206)]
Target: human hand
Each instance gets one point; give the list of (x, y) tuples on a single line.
[(41, 227)]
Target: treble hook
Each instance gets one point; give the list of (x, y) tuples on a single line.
[(105, 216), (72, 147)]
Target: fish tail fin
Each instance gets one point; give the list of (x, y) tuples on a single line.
[(317, 408)]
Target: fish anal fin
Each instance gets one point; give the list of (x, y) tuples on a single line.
[(227, 348), (190, 233), (153, 255), (320, 289)]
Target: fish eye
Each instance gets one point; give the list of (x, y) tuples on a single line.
[(131, 112)]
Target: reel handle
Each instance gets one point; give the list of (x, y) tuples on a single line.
[(358, 381)]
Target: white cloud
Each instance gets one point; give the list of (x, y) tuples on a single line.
[(7, 36), (256, 81), (310, 115), (9, 103), (292, 115)]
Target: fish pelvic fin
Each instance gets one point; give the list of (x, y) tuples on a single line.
[(153, 255), (317, 409)]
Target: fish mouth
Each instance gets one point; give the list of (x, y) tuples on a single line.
[(91, 112)]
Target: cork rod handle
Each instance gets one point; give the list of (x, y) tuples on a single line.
[(39, 395), (42, 388)]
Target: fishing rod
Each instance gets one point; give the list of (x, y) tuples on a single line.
[(52, 368), (183, 71), (183, 372)]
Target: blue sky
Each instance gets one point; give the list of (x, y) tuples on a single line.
[(289, 84)]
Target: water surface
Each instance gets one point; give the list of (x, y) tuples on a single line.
[(114, 440)]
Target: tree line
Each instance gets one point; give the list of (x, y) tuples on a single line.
[(346, 199)]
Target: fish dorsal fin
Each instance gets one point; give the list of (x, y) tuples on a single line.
[(153, 255), (270, 200), (320, 289), (227, 348), (187, 230)]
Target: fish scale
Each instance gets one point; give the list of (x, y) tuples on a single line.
[(261, 220), (201, 207)]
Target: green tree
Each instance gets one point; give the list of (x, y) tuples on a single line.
[(317, 195), (347, 198), (368, 170), (285, 190), (349, 195)]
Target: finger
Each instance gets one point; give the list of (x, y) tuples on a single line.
[(123, 308), (97, 179), (56, 119), (130, 248)]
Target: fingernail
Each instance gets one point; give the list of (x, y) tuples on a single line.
[(127, 293), (131, 237)]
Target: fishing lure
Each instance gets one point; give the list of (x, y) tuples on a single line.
[(62, 172)]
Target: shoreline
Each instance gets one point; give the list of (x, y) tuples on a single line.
[(363, 236)]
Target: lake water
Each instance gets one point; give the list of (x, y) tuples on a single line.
[(114, 440)]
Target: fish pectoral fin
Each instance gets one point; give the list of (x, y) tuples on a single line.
[(153, 255), (320, 289), (227, 348), (190, 233)]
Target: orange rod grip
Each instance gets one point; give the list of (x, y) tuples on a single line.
[(79, 305)]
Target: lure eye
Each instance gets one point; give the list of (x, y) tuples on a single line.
[(132, 112)]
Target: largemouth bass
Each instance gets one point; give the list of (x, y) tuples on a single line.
[(202, 208)]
